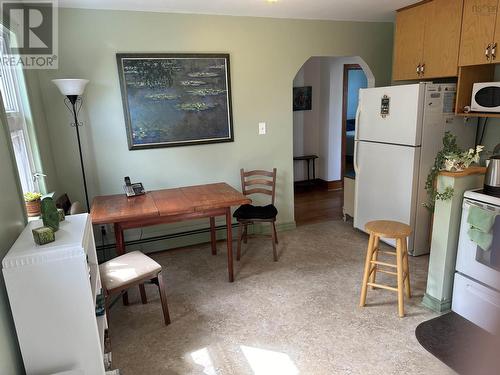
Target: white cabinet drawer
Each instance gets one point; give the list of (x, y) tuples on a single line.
[(477, 303)]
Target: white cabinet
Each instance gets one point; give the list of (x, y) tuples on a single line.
[(52, 292)]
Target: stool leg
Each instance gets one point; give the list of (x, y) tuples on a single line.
[(125, 298), (406, 268), (163, 298), (399, 259), (374, 257), (240, 234), (142, 290), (106, 305), (369, 254)]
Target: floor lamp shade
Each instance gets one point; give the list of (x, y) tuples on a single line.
[(71, 86)]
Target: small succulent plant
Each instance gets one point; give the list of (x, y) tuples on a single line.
[(32, 196)]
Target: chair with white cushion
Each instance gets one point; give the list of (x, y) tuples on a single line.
[(129, 270)]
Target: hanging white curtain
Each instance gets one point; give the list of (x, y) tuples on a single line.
[(22, 160), (10, 81)]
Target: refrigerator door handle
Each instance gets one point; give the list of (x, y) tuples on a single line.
[(356, 130)]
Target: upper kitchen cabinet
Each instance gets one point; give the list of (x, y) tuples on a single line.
[(427, 40), (479, 38), (409, 43), (442, 38)]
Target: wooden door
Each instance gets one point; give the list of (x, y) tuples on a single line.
[(478, 29), (408, 42), (442, 38)]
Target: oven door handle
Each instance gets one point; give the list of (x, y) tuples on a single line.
[(467, 203)]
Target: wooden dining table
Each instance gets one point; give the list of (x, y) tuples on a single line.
[(169, 206)]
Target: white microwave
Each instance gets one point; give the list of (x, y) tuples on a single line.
[(485, 97)]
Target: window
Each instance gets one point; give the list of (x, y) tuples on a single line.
[(12, 87)]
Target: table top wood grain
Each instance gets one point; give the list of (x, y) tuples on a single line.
[(118, 208)]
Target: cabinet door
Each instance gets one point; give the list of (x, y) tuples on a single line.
[(478, 28), (408, 42), (496, 38), (442, 38)]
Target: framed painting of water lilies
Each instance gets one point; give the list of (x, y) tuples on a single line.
[(175, 99)]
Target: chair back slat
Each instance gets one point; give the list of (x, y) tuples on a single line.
[(258, 191), (258, 181), (264, 186), (258, 172)]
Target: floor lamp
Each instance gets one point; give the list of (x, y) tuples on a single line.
[(73, 89)]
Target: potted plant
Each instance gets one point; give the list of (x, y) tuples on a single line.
[(33, 203), (453, 159)]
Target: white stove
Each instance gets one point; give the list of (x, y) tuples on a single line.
[(476, 291)]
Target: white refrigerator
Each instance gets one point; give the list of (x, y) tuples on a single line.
[(399, 130)]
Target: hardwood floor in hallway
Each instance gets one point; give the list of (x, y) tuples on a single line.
[(318, 204)]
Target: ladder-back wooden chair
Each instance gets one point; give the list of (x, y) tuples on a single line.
[(257, 182)]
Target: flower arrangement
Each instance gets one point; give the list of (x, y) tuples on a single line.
[(32, 196), (450, 158)]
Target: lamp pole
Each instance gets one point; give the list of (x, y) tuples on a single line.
[(72, 99)]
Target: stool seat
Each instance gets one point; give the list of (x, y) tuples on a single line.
[(127, 269), (388, 229)]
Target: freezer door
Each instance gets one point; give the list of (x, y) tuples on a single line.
[(391, 114), (385, 184)]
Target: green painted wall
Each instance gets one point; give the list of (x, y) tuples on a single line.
[(265, 56), (12, 222)]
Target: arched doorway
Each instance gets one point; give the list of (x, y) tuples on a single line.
[(319, 131)]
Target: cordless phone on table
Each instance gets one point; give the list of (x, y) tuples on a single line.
[(133, 190)]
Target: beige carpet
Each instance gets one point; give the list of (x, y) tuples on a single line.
[(299, 315)]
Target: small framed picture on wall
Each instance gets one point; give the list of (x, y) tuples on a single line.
[(302, 98)]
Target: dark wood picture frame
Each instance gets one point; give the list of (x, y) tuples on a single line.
[(204, 85), (302, 98)]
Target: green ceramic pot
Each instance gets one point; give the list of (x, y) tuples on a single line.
[(50, 216)]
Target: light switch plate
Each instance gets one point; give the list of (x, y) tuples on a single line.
[(262, 128)]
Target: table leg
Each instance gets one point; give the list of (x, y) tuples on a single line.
[(308, 166), (213, 238), (120, 242), (120, 250), (314, 169), (229, 245)]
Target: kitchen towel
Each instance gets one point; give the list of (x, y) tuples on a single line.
[(481, 239), (481, 219), (481, 222)]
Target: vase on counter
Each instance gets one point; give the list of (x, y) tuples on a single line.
[(50, 216)]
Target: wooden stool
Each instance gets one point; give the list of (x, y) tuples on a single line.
[(132, 269), (400, 232)]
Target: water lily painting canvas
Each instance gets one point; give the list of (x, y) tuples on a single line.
[(175, 99)]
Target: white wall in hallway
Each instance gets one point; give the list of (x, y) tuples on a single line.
[(319, 131)]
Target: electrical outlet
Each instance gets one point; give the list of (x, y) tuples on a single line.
[(262, 128)]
